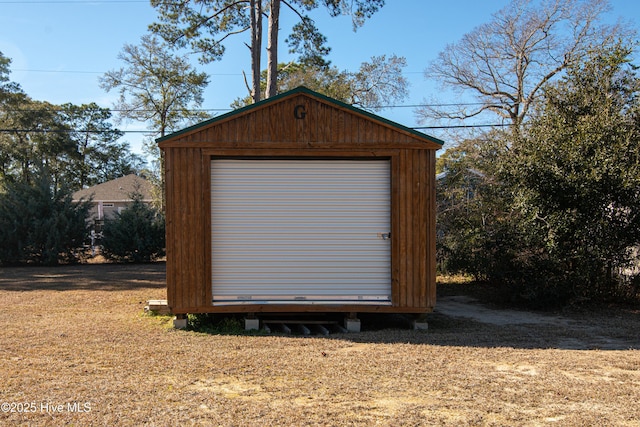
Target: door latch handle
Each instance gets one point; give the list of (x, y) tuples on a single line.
[(384, 236)]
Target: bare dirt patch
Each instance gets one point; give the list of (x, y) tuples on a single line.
[(77, 349), (613, 329)]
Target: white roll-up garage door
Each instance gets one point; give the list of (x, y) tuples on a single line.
[(300, 231)]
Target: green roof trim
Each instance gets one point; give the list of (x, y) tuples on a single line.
[(307, 91)]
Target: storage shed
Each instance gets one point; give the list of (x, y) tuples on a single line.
[(300, 203)]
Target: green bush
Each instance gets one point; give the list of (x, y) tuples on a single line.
[(40, 225), (553, 217), (137, 234)]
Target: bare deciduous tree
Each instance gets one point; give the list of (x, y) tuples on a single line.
[(504, 64), (156, 87), (379, 81), (377, 84)]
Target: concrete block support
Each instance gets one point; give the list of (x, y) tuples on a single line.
[(420, 325), (180, 321), (352, 324), (251, 324)]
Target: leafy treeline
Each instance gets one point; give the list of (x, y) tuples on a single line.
[(39, 224), (46, 153), (546, 209), (137, 234), (550, 214), (76, 145)]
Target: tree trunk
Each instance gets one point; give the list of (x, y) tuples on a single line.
[(256, 47), (272, 49)]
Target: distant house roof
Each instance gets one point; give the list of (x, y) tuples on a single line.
[(117, 190), (473, 171)]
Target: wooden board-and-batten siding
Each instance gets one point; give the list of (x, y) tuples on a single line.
[(299, 124)]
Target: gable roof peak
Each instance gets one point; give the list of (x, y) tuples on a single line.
[(303, 90)]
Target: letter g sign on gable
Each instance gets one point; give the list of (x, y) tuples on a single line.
[(299, 112)]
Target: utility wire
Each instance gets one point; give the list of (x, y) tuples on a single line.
[(71, 131), (24, 70), (37, 110), (495, 125), (70, 1), (485, 125), (204, 110)]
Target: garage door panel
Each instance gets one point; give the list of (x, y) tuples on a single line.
[(303, 230)]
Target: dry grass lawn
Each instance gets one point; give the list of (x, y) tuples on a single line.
[(77, 349)]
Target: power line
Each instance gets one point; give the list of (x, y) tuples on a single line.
[(485, 125), (24, 70), (37, 110), (462, 126), (72, 131), (445, 104), (70, 1), (494, 125), (204, 110)]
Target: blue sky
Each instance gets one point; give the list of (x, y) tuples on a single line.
[(59, 48)]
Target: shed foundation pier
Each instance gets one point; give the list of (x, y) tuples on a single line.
[(352, 323), (180, 321), (419, 323), (251, 322)]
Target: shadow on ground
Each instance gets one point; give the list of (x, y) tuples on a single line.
[(457, 320), (463, 321), (103, 277)]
